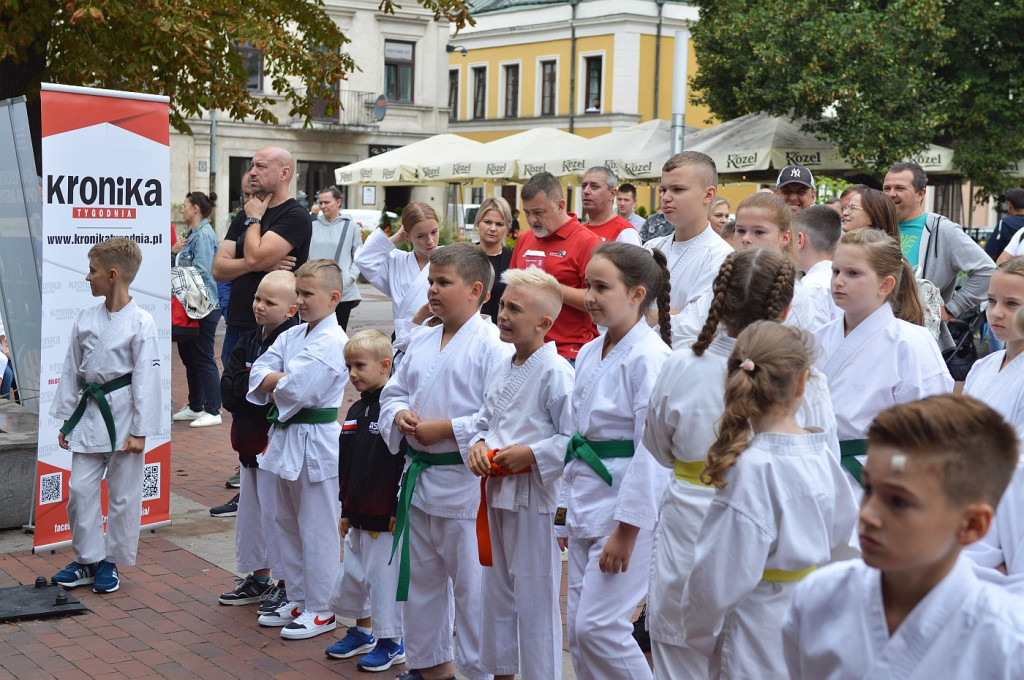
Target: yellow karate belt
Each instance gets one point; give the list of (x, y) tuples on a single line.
[(591, 453), (690, 472), (782, 576), (420, 461), (848, 452), (98, 393)]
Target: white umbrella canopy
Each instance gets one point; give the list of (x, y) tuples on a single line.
[(512, 158), (402, 165)]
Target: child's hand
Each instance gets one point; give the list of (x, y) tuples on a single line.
[(479, 463), (432, 431), (135, 444), (391, 525), (618, 549), (422, 314), (406, 421), (515, 458), (343, 526), (563, 543), (62, 441)]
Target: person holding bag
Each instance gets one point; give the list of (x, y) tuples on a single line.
[(203, 409), (337, 238)]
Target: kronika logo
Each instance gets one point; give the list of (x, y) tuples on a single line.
[(740, 160), (572, 165), (71, 189), (431, 171), (460, 168), (496, 168), (638, 168), (797, 158)]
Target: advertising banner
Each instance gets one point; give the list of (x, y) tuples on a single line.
[(106, 172)]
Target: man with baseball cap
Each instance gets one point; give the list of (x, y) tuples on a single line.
[(796, 187)]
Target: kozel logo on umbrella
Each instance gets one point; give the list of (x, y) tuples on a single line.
[(496, 168), (738, 161), (461, 168), (804, 159)]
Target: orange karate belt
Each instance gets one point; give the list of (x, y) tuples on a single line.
[(483, 528)]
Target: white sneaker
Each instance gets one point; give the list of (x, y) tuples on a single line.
[(186, 414), (309, 624), (283, 615), (206, 420)]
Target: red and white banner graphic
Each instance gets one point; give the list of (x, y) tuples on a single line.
[(106, 172)]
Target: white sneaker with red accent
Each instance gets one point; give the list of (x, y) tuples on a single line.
[(309, 624), (283, 615)]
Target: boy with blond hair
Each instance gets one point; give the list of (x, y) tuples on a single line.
[(109, 398), (913, 608), (430, 403), (274, 308), (526, 420), (368, 477), (301, 374)]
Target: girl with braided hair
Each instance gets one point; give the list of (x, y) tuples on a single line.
[(611, 484), (782, 507), (877, 355), (686, 402)]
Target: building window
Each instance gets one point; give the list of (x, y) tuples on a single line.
[(512, 91), (399, 63), (476, 195), (547, 88), (453, 95), (252, 62), (480, 92), (593, 70)]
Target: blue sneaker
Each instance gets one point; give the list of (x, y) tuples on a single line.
[(386, 653), (106, 578), (75, 574), (354, 642)]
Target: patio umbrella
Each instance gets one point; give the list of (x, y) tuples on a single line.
[(401, 166)]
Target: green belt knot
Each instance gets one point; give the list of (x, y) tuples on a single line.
[(305, 416), (848, 452), (591, 453), (98, 392)]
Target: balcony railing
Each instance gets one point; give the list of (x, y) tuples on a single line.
[(356, 109)]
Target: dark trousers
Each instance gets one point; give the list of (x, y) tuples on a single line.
[(201, 368), (343, 311), (232, 334)]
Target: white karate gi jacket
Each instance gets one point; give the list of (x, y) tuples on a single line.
[(397, 274), (817, 285), (686, 403), (529, 405), (105, 346), (786, 505), (693, 264), (885, 361), (447, 384), (316, 377), (963, 628), (609, 403)]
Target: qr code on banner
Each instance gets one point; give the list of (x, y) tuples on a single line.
[(151, 481), (51, 488)]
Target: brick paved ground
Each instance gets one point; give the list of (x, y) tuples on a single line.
[(165, 622)]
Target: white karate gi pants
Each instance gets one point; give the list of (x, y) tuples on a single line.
[(120, 544), (255, 544), (600, 607), (674, 662), (367, 583), (310, 546), (521, 596), (445, 561)]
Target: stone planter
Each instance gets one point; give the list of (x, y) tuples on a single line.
[(18, 439)]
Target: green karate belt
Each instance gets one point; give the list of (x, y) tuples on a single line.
[(591, 453), (848, 452), (420, 461), (305, 416), (98, 393)]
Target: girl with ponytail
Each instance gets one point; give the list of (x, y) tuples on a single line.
[(611, 484), (686, 402), (877, 355), (782, 507)]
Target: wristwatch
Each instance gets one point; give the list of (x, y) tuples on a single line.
[(249, 221)]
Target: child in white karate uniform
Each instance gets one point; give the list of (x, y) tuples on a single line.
[(998, 380), (878, 354), (912, 608), (113, 358), (611, 483), (430, 402), (686, 403), (782, 507), (817, 229), (527, 418), (302, 374), (401, 275)]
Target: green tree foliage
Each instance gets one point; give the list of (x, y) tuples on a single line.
[(898, 74), (185, 49)]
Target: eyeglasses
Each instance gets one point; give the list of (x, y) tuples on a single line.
[(852, 208)]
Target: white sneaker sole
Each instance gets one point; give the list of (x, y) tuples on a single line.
[(74, 584), (365, 649), (399, 658), (206, 423), (273, 622), (184, 417), (306, 633)]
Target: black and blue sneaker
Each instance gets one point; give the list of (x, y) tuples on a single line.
[(75, 574), (106, 578)]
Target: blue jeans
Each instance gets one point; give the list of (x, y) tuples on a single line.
[(201, 368), (232, 334), (6, 382)]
